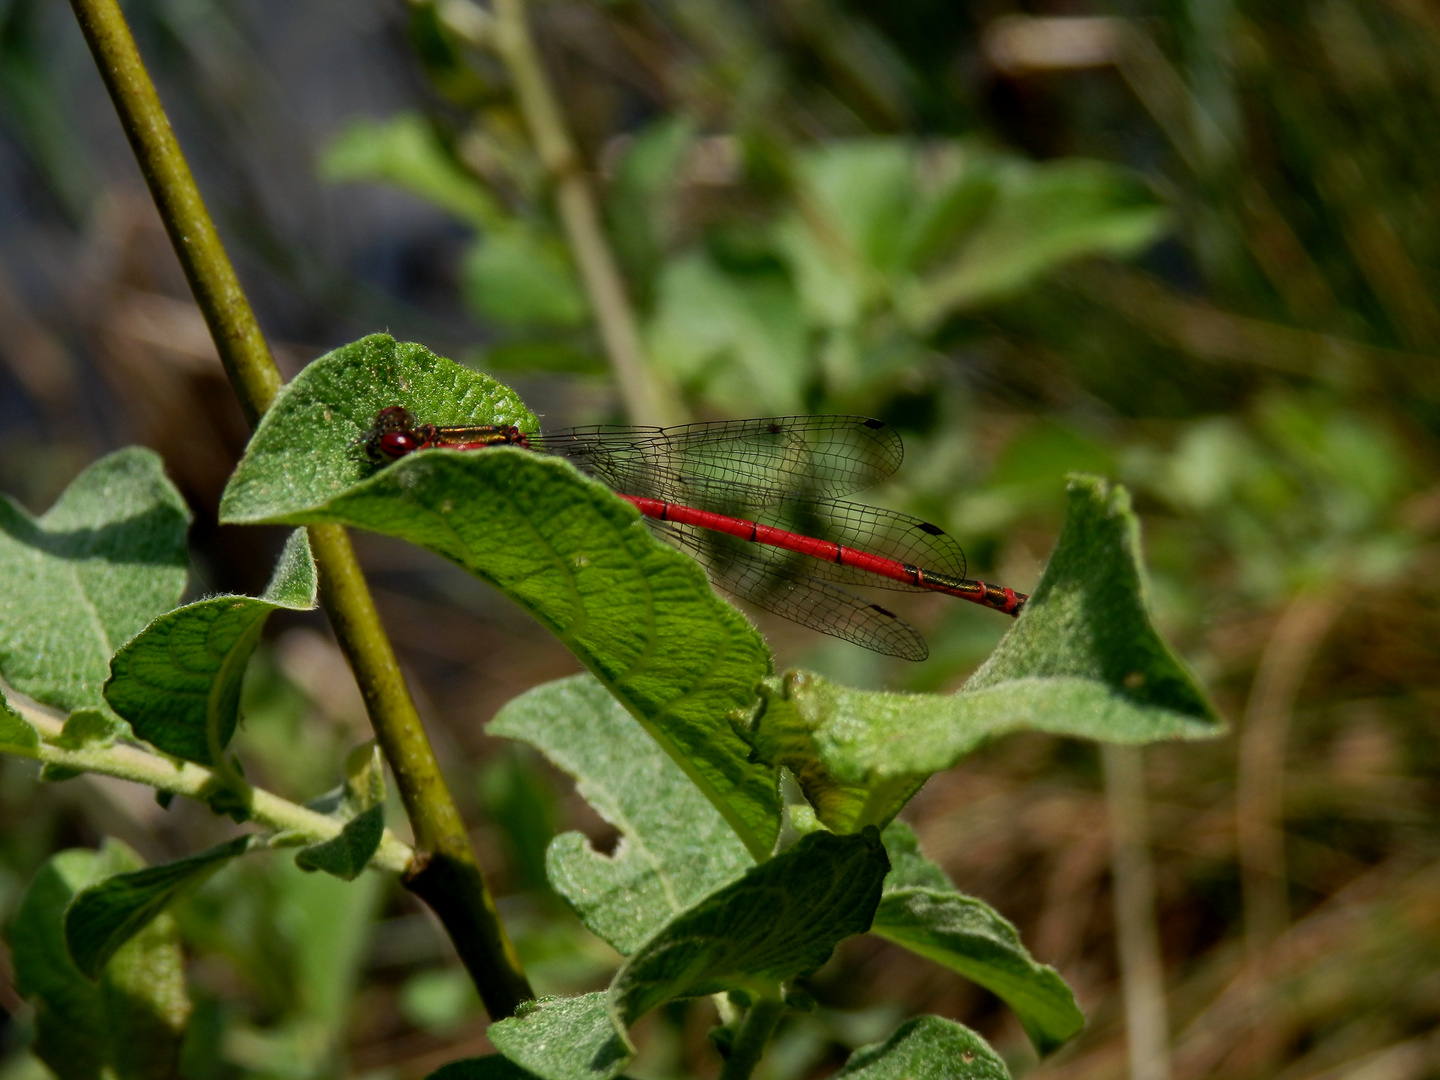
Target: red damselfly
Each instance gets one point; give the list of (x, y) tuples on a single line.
[(758, 503)]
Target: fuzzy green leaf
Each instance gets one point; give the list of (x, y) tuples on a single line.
[(362, 789), (404, 150), (1083, 660), (359, 802), (85, 576), (520, 277), (16, 734), (130, 1025), (178, 681), (921, 910), (307, 448), (782, 736), (926, 1048), (146, 1001), (106, 915), (1043, 216), (781, 920), (89, 727), (640, 615), (674, 848), (347, 854), (564, 1038)]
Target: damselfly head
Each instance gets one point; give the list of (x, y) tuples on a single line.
[(393, 434)]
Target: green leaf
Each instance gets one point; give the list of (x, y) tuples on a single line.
[(927, 1048), (178, 681), (781, 736), (866, 187), (90, 727), (87, 575), (564, 1038), (638, 614), (438, 999), (146, 1001), (1043, 216), (922, 911), (1082, 660), (640, 200), (16, 734), (675, 847), (328, 924), (553, 357), (347, 854), (519, 277), (404, 151), (131, 1024), (106, 915), (780, 921), (307, 448), (739, 336)]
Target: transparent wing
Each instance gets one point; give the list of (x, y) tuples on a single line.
[(747, 571), (760, 461)]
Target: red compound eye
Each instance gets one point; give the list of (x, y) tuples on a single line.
[(397, 443)]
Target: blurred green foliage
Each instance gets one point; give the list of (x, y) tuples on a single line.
[(1205, 263)]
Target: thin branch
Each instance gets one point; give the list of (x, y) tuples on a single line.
[(509, 36), (1142, 970), (444, 859), (197, 782)]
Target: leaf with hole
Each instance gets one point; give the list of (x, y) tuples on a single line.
[(674, 846)]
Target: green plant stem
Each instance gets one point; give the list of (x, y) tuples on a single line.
[(510, 37), (212, 279), (197, 782), (753, 1037), (444, 872)]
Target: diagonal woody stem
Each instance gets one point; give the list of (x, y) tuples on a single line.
[(444, 872)]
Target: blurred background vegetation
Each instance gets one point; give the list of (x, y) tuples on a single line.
[(1189, 244)]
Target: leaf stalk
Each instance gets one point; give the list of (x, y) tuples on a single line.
[(752, 1038), (199, 783)]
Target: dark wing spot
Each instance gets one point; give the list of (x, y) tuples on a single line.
[(874, 423), (933, 530), (885, 611)]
